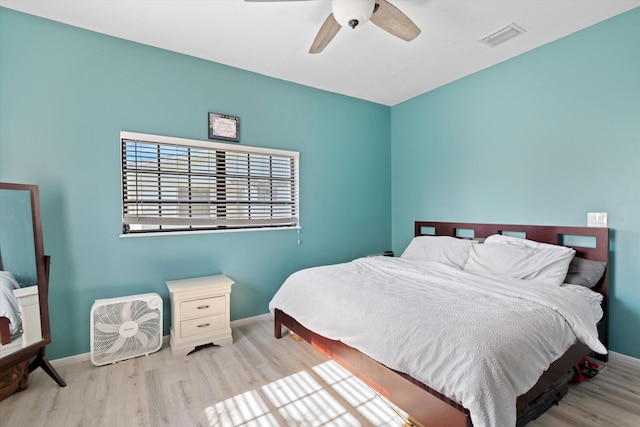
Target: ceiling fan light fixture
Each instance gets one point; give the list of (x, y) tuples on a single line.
[(352, 13)]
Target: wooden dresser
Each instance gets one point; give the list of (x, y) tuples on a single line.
[(199, 312)]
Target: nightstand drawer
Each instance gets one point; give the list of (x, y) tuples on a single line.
[(203, 307), (202, 325)]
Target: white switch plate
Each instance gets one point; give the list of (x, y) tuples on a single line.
[(597, 219)]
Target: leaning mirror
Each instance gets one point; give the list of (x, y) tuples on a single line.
[(24, 280)]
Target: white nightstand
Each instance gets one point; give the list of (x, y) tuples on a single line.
[(199, 312), (29, 304)]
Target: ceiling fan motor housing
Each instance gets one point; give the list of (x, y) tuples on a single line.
[(352, 13)]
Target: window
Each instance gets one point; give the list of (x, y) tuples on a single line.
[(173, 184)]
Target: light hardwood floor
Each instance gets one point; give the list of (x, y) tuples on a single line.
[(261, 381)]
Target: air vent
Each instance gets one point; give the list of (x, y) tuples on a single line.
[(502, 35)]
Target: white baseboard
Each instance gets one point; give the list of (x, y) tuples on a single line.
[(78, 358), (71, 360), (252, 319), (616, 357), (623, 358)]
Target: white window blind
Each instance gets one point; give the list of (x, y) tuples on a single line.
[(174, 184)]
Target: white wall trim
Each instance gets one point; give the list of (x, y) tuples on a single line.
[(623, 358), (71, 360), (79, 358), (253, 319)]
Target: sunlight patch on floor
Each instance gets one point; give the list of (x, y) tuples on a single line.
[(375, 408), (246, 409), (305, 399)]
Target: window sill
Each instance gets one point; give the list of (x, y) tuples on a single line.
[(177, 233)]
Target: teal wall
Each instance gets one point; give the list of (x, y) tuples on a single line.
[(65, 95), (542, 138)]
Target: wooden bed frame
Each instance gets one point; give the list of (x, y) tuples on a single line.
[(424, 405), (5, 338)]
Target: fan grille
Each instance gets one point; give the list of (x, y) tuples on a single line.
[(110, 345)]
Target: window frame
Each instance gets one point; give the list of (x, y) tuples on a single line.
[(281, 208)]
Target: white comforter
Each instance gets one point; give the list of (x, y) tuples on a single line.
[(481, 340)]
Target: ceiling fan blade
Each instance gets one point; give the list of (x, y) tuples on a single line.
[(392, 20), (327, 32)]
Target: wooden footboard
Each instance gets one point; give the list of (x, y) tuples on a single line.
[(5, 338)]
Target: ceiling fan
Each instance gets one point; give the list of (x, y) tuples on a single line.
[(355, 13)]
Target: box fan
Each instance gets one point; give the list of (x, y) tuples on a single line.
[(125, 327)]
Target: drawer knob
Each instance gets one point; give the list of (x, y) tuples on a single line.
[(202, 307), (204, 325)]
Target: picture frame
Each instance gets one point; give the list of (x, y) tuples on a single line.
[(224, 127)]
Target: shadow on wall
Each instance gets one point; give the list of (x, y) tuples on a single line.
[(62, 296)]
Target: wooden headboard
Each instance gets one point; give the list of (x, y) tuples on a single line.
[(589, 242), (552, 234)]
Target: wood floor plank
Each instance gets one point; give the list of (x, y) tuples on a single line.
[(261, 381)]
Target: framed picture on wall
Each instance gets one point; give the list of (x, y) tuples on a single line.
[(224, 127)]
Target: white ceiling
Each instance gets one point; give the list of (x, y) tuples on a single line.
[(273, 38)]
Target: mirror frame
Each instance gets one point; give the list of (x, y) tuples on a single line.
[(42, 273)]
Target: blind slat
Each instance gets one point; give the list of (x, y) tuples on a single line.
[(141, 219), (180, 185)]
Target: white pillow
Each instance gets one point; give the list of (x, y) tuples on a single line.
[(443, 249), (521, 259), (499, 239)]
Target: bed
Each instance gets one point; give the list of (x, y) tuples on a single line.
[(405, 378)]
